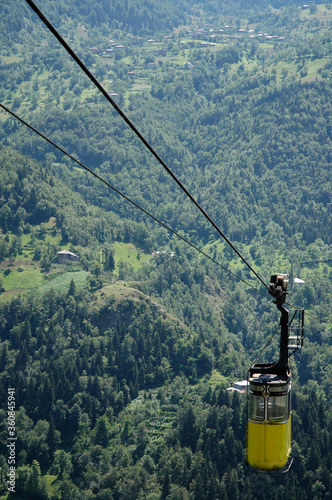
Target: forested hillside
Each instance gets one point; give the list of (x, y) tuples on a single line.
[(117, 362)]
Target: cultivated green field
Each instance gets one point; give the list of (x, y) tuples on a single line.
[(128, 253)]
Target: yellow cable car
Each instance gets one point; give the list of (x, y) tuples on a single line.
[(269, 396), (269, 422)]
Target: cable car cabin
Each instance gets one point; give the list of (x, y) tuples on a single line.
[(269, 422), (269, 396)]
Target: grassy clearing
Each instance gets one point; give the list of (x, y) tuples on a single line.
[(51, 485), (11, 59), (87, 93), (26, 280), (291, 69), (286, 69), (217, 245), (119, 291), (25, 274), (17, 283), (128, 253), (140, 85), (322, 14), (312, 69), (26, 239), (61, 282), (249, 64), (43, 75)]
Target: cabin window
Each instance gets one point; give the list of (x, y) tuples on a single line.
[(256, 407), (277, 408)]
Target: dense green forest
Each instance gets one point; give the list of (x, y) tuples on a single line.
[(117, 365)]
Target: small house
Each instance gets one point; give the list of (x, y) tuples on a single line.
[(65, 256)]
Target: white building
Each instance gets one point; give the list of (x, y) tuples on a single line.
[(240, 386)]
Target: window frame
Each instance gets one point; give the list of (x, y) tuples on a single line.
[(254, 405), (269, 404), (277, 411)]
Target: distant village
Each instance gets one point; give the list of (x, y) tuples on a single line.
[(208, 38), (202, 37), (199, 33)]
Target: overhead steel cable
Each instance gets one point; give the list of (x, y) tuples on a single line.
[(59, 148), (136, 131)]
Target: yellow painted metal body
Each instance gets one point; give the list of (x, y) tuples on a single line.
[(268, 445)]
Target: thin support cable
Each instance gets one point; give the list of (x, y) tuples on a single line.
[(136, 131), (128, 199), (265, 346)]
